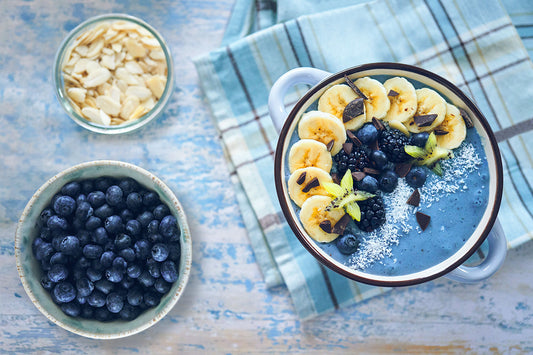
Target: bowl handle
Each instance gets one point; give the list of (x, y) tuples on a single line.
[(276, 106), (492, 262)]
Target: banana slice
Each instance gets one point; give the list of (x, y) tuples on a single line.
[(403, 101), (399, 126), (322, 127), (377, 103), (313, 213), (455, 127), (429, 102), (335, 99), (307, 182), (308, 152)]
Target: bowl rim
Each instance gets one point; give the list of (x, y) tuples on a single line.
[(311, 247), (185, 252), (57, 76)]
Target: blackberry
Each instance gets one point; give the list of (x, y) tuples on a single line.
[(392, 143), (372, 214), (357, 160)]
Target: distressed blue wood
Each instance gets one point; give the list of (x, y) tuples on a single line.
[(226, 307)]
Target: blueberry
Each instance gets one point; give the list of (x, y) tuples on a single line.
[(142, 249), (113, 224), (155, 238), (100, 236), (379, 159), (134, 201), (45, 215), (59, 258), (127, 282), (87, 311), (169, 271), (70, 245), (347, 244), (160, 211), (45, 265), (96, 299), (57, 223), (92, 251), (369, 184), (87, 186), (102, 314), (134, 271), (114, 195), (152, 227), (416, 177), (151, 298), (129, 312), (94, 275), (388, 181), (46, 283), (174, 252), (71, 189), (102, 183), (83, 263), (84, 236), (146, 279), (133, 227), (145, 218), (84, 286), (150, 198), (114, 302), (57, 273), (72, 309), (43, 251), (96, 198), (81, 299), (162, 286), (92, 223), (122, 241), (103, 211), (104, 286), (168, 226), (114, 274), (135, 296), (83, 211), (419, 139), (64, 292), (367, 134), (160, 252), (128, 254), (120, 263), (81, 198), (128, 185), (127, 215), (106, 259), (45, 234), (64, 206), (95, 264)]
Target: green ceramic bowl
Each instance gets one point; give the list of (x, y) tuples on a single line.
[(29, 268)]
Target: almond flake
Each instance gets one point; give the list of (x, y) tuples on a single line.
[(140, 91), (108, 105), (97, 77), (77, 94)]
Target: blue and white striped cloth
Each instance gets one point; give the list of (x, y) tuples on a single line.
[(474, 44)]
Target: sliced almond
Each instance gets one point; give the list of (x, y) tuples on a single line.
[(97, 77), (108, 61), (157, 54), (95, 48), (77, 94), (140, 91), (91, 113), (139, 112), (108, 105), (157, 85), (128, 106), (133, 67), (135, 48)]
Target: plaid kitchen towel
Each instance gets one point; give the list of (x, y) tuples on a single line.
[(473, 44)]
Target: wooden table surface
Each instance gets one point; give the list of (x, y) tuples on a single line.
[(226, 307)]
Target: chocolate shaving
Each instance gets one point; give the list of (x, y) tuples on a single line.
[(341, 224), (311, 184), (402, 169), (414, 199), (374, 145), (378, 124), (330, 144), (440, 132), (424, 120), (355, 108), (371, 171), (325, 226), (466, 117), (347, 148), (393, 93), (301, 178), (335, 178), (358, 175), (354, 138), (423, 220), (355, 88)]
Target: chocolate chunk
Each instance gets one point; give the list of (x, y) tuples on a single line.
[(355, 108), (424, 120), (371, 171), (354, 138), (393, 93), (347, 148), (355, 88), (402, 169), (423, 220), (466, 117), (301, 178), (358, 175), (374, 145), (325, 226), (330, 144), (440, 132), (378, 124), (341, 224), (335, 178), (414, 199), (311, 184)]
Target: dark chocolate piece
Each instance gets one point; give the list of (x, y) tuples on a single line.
[(355, 88), (424, 120), (358, 175), (402, 169), (374, 145), (347, 148), (440, 132), (355, 108), (371, 171), (423, 220), (311, 184), (414, 199), (378, 124), (335, 178), (466, 117), (341, 224), (325, 226), (393, 93), (354, 138), (301, 178), (330, 144)]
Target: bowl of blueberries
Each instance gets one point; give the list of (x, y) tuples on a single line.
[(103, 249)]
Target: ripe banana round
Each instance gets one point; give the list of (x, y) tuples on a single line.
[(399, 126), (313, 213), (308, 152), (307, 182), (455, 126), (377, 104), (429, 102), (323, 127), (335, 99), (403, 102)]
